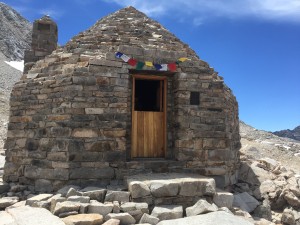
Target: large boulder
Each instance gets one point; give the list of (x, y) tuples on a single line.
[(201, 206), (213, 218)]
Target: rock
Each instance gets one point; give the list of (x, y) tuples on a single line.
[(6, 219), (270, 163), (263, 211), (26, 215), (73, 192), (212, 218), (266, 187), (83, 208), (146, 218), (223, 199), (66, 214), (116, 208), (241, 213), (120, 196), (253, 174), (63, 191), (261, 221), (38, 198), (225, 209), (131, 206), (83, 219), (4, 187), (167, 212), (135, 209), (64, 207), (81, 199), (164, 189), (288, 217), (94, 193), (138, 189), (112, 222), (7, 201), (54, 200), (245, 202), (292, 199), (201, 206), (100, 208), (125, 218)]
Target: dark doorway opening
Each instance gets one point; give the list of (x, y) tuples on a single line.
[(148, 95)]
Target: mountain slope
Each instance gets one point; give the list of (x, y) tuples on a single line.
[(293, 134), (15, 33), (258, 144)]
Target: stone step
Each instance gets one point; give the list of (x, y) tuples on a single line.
[(169, 188)]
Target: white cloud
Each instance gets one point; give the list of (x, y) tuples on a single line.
[(198, 10)]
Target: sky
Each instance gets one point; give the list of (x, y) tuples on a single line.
[(253, 44)]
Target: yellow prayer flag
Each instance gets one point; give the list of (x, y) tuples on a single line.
[(182, 59), (150, 64)]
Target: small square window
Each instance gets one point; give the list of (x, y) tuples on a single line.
[(195, 98)]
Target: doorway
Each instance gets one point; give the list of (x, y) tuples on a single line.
[(148, 116)]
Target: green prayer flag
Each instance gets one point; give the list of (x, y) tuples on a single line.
[(140, 65)]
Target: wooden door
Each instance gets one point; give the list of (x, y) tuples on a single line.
[(148, 116)]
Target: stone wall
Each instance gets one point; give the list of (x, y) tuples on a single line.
[(70, 119)]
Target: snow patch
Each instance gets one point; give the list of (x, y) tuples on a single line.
[(18, 65)]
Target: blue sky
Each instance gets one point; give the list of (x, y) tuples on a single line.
[(253, 44)]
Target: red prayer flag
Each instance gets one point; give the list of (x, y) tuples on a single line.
[(132, 62), (172, 66)]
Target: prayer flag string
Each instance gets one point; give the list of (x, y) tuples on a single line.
[(139, 65)]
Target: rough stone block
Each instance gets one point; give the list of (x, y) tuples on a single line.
[(164, 189), (201, 207), (120, 196), (167, 212), (223, 199), (94, 193), (125, 218), (100, 208), (85, 133), (138, 189), (86, 219)]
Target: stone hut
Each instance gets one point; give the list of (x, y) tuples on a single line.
[(83, 116)]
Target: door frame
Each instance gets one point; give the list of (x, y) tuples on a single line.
[(150, 77)]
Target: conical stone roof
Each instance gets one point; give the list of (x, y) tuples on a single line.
[(128, 26)]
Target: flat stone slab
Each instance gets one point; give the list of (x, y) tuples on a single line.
[(26, 215), (208, 219), (161, 185)]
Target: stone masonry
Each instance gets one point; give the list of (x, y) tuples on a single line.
[(70, 118), (44, 41)]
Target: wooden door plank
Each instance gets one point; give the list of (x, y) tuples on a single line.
[(140, 134)]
